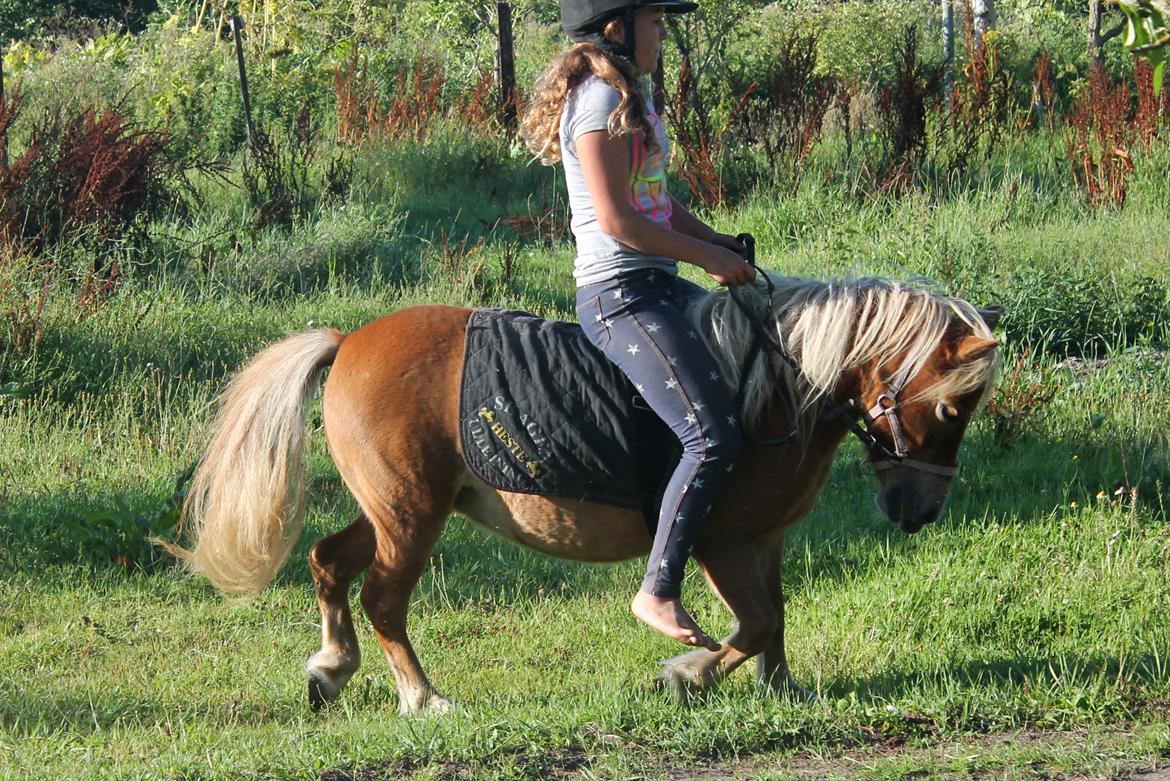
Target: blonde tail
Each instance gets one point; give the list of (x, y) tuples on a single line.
[(243, 508)]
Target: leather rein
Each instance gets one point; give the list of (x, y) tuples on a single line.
[(848, 413)]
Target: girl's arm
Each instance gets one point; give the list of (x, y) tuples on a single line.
[(683, 221), (605, 166)]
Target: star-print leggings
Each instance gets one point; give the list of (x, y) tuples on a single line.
[(636, 319)]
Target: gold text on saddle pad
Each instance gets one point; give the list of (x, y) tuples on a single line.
[(509, 441)]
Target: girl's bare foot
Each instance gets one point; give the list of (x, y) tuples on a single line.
[(668, 617)]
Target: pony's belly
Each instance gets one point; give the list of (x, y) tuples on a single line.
[(565, 528)]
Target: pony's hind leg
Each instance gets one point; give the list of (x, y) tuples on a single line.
[(402, 552), (335, 561)]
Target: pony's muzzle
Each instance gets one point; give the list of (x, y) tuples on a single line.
[(911, 505)]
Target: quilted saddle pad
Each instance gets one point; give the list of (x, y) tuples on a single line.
[(544, 412)]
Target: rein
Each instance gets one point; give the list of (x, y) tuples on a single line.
[(849, 413)]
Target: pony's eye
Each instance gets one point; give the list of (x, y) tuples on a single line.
[(946, 413)]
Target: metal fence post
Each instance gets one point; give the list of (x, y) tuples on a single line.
[(506, 99), (238, 34)]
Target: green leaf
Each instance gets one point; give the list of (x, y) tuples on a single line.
[(1147, 32)]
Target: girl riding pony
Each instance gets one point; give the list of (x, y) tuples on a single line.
[(591, 110)]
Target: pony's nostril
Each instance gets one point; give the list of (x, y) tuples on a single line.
[(894, 508)]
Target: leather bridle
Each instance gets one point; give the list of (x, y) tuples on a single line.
[(849, 412)]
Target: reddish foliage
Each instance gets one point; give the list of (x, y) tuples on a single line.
[(476, 108), (1099, 138), (91, 171), (414, 105), (1153, 111), (699, 143), (9, 108), (547, 224), (1043, 88), (24, 312), (980, 101), (903, 102)]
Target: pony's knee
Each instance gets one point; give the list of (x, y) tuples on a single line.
[(319, 567)]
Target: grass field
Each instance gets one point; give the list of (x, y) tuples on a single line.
[(1026, 634)]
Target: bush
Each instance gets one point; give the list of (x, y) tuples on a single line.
[(1081, 312), (856, 39), (22, 18), (90, 174), (786, 101)]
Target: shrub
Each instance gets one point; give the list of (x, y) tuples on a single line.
[(854, 40), (979, 112), (279, 177), (1098, 140), (415, 104), (1017, 399), (90, 173), (698, 145), (1080, 311), (785, 102), (20, 18), (902, 102)]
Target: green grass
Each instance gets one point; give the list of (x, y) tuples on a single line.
[(1036, 606)]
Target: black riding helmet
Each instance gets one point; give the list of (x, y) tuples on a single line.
[(584, 20)]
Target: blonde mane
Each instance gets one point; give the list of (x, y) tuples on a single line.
[(833, 326)]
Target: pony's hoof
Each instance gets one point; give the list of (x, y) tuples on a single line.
[(676, 686), (793, 692), (434, 704), (685, 675), (321, 692), (439, 705)]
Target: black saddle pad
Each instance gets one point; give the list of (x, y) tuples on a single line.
[(544, 412)]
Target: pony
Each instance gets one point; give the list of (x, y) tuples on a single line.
[(911, 364)]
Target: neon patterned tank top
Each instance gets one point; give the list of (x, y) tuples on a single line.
[(599, 255)]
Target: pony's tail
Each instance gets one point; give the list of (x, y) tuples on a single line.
[(243, 508)]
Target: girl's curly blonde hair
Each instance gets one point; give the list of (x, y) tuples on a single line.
[(542, 116)]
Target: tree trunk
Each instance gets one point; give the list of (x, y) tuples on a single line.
[(1096, 55), (1098, 39), (948, 44), (984, 13)]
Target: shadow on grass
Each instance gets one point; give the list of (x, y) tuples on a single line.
[(1055, 692), (472, 565)]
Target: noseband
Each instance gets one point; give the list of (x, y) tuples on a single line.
[(849, 412)]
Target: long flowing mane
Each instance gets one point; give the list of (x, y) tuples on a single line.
[(832, 326)]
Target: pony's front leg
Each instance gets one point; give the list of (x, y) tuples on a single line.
[(735, 573), (335, 561), (772, 663)]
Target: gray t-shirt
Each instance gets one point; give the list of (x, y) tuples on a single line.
[(599, 255)]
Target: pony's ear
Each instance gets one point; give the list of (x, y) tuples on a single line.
[(971, 348), (991, 315)]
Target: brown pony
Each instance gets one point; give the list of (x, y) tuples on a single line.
[(919, 362)]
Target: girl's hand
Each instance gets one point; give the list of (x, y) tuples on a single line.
[(726, 267), (732, 243)]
